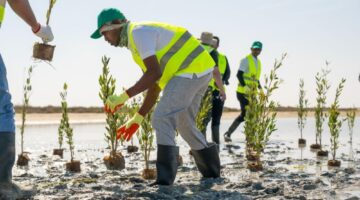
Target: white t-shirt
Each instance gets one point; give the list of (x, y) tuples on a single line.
[(244, 64), (149, 39)]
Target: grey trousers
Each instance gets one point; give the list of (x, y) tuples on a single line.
[(177, 110)]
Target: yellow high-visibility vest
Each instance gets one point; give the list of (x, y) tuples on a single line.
[(252, 72), (182, 55), (2, 10), (209, 49), (222, 68)]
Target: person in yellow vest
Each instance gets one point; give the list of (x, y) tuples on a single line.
[(217, 94), (207, 42), (9, 190), (174, 62), (250, 66)]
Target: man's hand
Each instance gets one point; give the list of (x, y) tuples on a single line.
[(219, 83), (222, 95), (130, 128), (44, 32), (114, 102)]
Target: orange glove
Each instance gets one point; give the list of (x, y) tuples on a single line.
[(130, 128), (115, 102)]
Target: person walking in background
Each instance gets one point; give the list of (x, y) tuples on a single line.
[(9, 190), (207, 42), (173, 61), (217, 101), (250, 67)]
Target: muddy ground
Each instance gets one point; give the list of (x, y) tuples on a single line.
[(286, 176)]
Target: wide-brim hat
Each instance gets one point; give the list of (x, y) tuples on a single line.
[(206, 38)]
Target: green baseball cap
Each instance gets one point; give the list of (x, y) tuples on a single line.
[(106, 16), (257, 45)]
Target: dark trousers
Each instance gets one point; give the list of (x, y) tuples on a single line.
[(243, 103), (7, 156), (216, 111), (217, 108)]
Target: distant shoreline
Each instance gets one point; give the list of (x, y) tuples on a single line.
[(55, 109), (93, 118)]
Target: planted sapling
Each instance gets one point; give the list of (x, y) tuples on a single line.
[(115, 160), (302, 112), (146, 140), (260, 119), (322, 86), (335, 125), (23, 158), (73, 165)]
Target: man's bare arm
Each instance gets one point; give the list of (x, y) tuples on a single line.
[(149, 78), (23, 9), (150, 100)]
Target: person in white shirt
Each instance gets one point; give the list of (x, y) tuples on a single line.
[(249, 66), (174, 62), (216, 88)]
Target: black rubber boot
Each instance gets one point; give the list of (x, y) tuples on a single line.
[(166, 164), (13, 191), (7, 156), (207, 161), (232, 128), (9, 190)]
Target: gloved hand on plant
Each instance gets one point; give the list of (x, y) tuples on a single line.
[(115, 102), (44, 32), (130, 128)]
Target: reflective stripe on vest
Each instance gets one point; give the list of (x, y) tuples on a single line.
[(222, 68), (183, 54), (2, 11), (252, 72)]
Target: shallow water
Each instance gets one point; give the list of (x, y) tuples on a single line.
[(40, 137), (287, 166)]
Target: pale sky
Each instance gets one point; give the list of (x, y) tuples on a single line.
[(310, 31)]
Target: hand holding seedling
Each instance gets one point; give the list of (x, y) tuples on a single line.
[(115, 102), (130, 128), (44, 51), (44, 32)]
